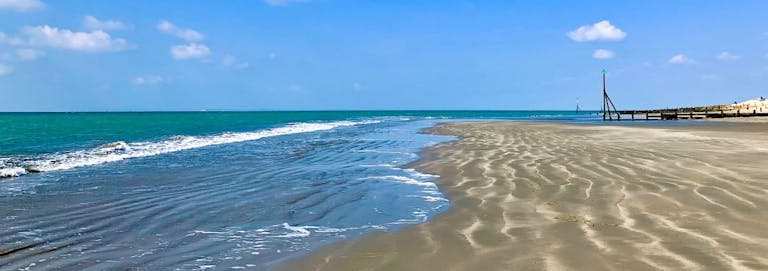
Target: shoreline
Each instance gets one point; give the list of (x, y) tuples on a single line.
[(520, 198)]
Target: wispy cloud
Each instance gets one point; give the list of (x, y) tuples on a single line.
[(92, 23), (5, 69), (5, 39), (680, 59), (190, 51), (602, 54), (194, 49), (149, 80), (231, 61), (727, 56), (600, 31), (95, 41), (29, 54), (284, 2), (182, 33), (22, 5)]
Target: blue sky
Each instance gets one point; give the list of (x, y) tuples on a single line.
[(356, 54)]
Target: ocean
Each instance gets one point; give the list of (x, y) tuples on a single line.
[(212, 190)]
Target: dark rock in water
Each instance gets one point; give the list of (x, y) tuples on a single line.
[(179, 137)]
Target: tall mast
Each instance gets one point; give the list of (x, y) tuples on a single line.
[(605, 96), (608, 104)]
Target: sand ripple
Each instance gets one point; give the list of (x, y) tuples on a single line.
[(529, 196)]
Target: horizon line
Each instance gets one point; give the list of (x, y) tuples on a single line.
[(300, 110)]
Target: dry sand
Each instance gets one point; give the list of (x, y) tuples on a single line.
[(740, 120), (535, 196)]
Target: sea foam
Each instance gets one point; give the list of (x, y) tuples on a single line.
[(12, 172), (120, 150)]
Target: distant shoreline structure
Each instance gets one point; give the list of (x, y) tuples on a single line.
[(749, 108), (757, 107)]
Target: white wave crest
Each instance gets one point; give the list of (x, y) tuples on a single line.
[(296, 231), (402, 179), (430, 198), (120, 150), (12, 172)]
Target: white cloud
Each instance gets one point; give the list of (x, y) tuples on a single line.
[(284, 2), (726, 56), (232, 62), (182, 33), (190, 51), (5, 39), (600, 31), (29, 54), (602, 54), (22, 5), (150, 80), (680, 59), (92, 23), (4, 69), (95, 41)]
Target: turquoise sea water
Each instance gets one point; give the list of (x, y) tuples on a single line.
[(219, 190), (28, 133)]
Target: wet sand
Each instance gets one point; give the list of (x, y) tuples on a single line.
[(541, 196)]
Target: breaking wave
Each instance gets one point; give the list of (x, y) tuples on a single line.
[(120, 150)]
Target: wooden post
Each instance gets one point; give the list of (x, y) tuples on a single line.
[(605, 95), (608, 104)]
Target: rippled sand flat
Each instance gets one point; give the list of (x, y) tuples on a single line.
[(534, 196)]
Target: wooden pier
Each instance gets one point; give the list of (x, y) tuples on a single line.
[(610, 113), (685, 113)]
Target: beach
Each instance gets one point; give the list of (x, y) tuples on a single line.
[(549, 196)]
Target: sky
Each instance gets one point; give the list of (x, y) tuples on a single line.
[(378, 55)]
